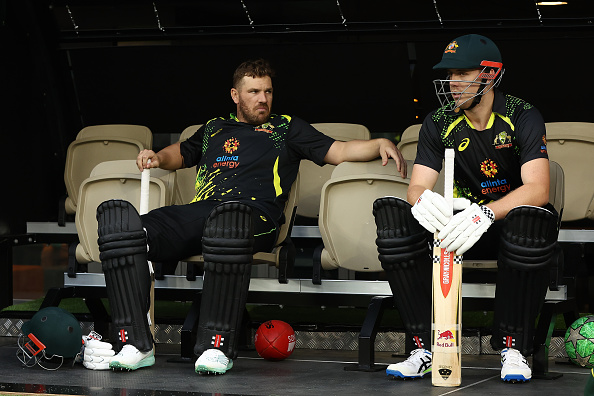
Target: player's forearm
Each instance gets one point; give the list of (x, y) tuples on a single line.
[(354, 150), (534, 194), (170, 157), (414, 192)]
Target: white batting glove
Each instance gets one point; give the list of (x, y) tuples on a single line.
[(466, 228), (96, 353), (432, 211)]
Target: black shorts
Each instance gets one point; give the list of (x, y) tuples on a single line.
[(175, 232)]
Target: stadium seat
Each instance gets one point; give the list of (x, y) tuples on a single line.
[(408, 142), (346, 221), (313, 176), (96, 144), (115, 180), (571, 144), (137, 132)]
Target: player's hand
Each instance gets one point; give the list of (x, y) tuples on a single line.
[(431, 211), (389, 150), (147, 159), (466, 228), (96, 353)]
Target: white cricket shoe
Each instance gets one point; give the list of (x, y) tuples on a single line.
[(514, 367), (130, 358), (417, 365), (213, 361)]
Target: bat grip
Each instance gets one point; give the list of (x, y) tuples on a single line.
[(145, 178), (448, 188)]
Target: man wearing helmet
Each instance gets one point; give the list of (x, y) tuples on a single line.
[(501, 174)]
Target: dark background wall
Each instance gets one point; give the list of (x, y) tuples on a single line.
[(55, 79)]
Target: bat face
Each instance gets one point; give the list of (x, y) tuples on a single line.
[(447, 301), (446, 366)]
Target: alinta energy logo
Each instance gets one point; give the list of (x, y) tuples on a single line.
[(493, 186), (228, 161), (543, 147)]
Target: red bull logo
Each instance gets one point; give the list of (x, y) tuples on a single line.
[(445, 335)]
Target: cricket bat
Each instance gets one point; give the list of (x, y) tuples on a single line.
[(145, 181), (447, 301)]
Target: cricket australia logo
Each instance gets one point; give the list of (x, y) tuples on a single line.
[(452, 47), (266, 127), (502, 140)]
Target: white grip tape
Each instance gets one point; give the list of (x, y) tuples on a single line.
[(145, 178), (448, 188)]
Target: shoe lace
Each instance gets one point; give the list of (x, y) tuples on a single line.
[(514, 357), (414, 353)]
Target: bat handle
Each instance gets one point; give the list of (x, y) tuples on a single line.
[(448, 191), (145, 178)]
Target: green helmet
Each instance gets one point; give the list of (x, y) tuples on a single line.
[(51, 332), (471, 51)]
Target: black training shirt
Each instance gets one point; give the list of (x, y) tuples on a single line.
[(487, 163), (252, 164)]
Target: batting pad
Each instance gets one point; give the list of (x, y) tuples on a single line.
[(227, 249), (527, 247), (404, 253), (122, 243)]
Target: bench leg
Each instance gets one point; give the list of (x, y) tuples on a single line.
[(366, 358), (188, 333), (542, 336)]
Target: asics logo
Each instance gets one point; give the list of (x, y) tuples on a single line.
[(465, 142)]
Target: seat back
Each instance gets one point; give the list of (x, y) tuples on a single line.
[(115, 180), (185, 187), (135, 132), (557, 188), (408, 142), (346, 219), (96, 144), (571, 145), (313, 176)]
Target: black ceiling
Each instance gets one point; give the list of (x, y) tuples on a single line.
[(145, 19)]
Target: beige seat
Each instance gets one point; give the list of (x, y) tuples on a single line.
[(408, 142), (97, 144), (571, 144), (115, 180), (346, 220), (283, 254), (136, 132), (185, 186), (313, 176)]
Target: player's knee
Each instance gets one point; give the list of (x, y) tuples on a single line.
[(401, 241), (528, 238)]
